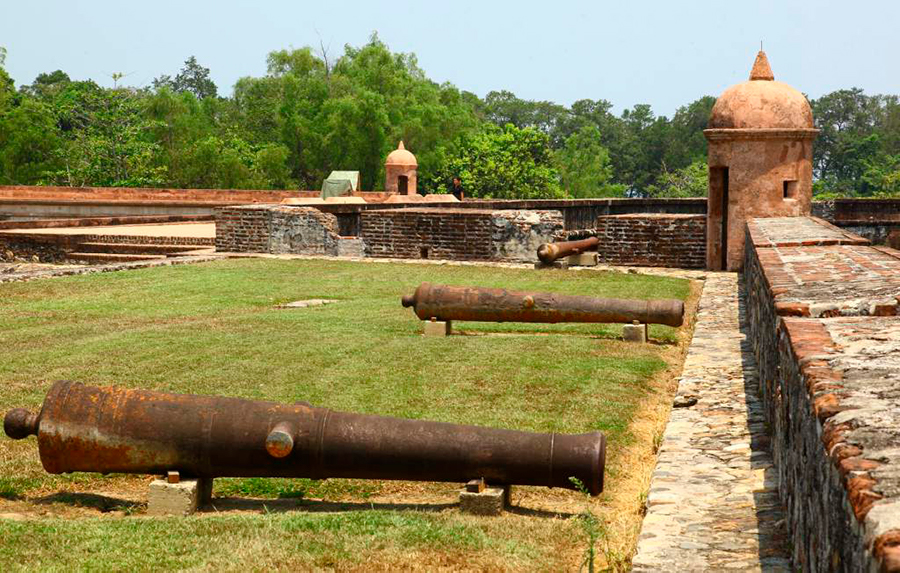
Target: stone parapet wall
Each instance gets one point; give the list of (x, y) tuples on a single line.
[(277, 229), (458, 234), (837, 441), (303, 230), (829, 369), (649, 239)]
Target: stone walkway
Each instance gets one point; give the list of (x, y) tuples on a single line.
[(713, 502), (22, 272)]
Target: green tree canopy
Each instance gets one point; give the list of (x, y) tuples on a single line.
[(192, 78), (584, 166), (503, 163)]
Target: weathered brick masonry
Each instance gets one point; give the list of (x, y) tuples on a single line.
[(458, 234), (280, 229), (649, 239), (830, 379)]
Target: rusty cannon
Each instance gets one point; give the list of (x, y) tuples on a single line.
[(447, 303), (106, 430), (550, 252)]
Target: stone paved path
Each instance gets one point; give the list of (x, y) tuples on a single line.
[(713, 502)]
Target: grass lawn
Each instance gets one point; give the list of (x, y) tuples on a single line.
[(214, 329)]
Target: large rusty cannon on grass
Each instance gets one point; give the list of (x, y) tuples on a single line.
[(550, 252), (447, 303), (107, 430)]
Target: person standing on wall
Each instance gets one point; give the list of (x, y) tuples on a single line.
[(456, 189)]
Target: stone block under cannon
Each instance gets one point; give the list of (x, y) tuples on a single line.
[(117, 430)]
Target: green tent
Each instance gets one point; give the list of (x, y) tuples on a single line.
[(340, 183)]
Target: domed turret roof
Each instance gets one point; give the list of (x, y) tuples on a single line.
[(761, 103), (401, 156)]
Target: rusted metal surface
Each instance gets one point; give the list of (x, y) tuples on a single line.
[(498, 305), (106, 430), (549, 252)]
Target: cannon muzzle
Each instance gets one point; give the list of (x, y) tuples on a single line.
[(497, 305), (549, 252), (106, 430)]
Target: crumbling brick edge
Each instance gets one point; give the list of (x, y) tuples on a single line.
[(839, 517)]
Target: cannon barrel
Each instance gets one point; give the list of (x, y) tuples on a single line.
[(106, 430), (549, 252), (498, 305)]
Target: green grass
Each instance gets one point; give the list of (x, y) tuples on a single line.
[(214, 329)]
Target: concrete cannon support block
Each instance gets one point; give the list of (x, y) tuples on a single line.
[(582, 260), (488, 501), (183, 497), (437, 327), (636, 332)]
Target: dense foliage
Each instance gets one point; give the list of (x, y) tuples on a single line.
[(312, 113)]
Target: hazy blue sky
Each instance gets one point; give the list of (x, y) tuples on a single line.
[(665, 53)]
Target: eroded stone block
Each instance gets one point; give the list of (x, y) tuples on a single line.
[(634, 332), (582, 260), (490, 501), (437, 327), (181, 498)]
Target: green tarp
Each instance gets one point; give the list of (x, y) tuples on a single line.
[(340, 183), (336, 188)]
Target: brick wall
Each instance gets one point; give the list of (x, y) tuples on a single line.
[(830, 378), (243, 229), (277, 229), (652, 240), (457, 234)]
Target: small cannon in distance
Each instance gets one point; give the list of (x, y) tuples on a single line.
[(117, 430), (479, 304), (550, 252)]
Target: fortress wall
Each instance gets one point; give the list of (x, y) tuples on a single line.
[(458, 234), (649, 239), (821, 306)]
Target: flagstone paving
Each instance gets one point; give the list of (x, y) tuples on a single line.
[(713, 502)]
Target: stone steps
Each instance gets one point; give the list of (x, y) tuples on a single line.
[(135, 248), (110, 257)]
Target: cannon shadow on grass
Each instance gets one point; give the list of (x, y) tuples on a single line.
[(220, 504), (102, 503)]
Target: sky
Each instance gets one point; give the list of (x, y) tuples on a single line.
[(662, 53)]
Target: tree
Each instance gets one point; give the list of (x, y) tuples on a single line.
[(686, 143), (690, 181), (300, 62), (503, 107), (192, 78), (47, 86), (108, 139), (882, 176), (28, 143), (7, 86), (508, 163), (848, 139), (584, 166)]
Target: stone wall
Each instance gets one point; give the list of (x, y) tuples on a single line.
[(457, 234), (516, 235), (280, 229), (649, 239), (822, 314)]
